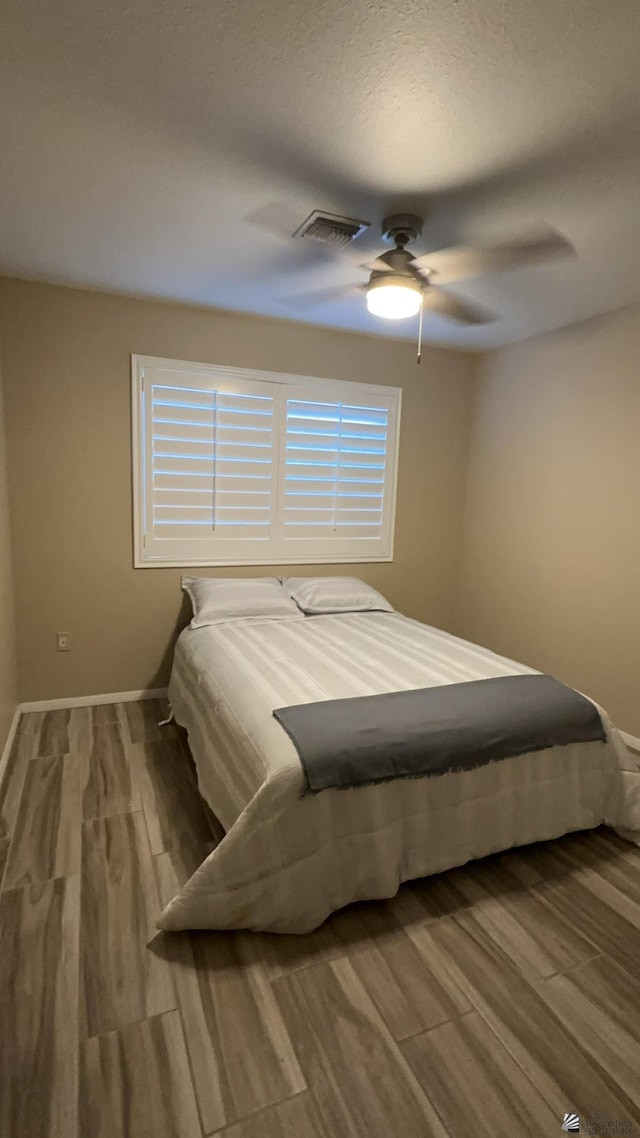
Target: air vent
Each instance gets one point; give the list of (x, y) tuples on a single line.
[(331, 229)]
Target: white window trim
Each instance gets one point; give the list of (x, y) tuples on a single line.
[(349, 388)]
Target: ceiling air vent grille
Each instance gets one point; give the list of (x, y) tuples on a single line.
[(331, 229)]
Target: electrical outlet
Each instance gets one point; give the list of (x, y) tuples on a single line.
[(63, 641)]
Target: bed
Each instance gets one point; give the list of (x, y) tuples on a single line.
[(289, 859)]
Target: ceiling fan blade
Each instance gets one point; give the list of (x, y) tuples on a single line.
[(467, 262), (305, 300), (281, 220), (377, 266), (444, 303)]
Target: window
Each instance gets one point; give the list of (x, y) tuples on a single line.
[(235, 467)]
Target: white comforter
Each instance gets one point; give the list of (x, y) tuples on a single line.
[(288, 861)]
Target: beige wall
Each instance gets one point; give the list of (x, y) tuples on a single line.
[(551, 563), (67, 375), (8, 680)]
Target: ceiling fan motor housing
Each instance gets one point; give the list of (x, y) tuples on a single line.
[(401, 228), (398, 261)]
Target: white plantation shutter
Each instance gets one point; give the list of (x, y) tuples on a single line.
[(208, 466), (244, 467), (338, 484)]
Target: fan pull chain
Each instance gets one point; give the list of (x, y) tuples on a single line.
[(418, 360)]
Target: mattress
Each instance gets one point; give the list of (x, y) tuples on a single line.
[(288, 860)]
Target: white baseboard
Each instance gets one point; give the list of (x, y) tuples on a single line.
[(72, 701), (632, 741), (90, 700), (4, 759)]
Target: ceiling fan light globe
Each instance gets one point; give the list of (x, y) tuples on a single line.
[(394, 299)]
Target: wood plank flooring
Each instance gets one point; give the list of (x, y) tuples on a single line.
[(492, 999)]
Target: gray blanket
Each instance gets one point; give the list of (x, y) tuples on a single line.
[(429, 731)]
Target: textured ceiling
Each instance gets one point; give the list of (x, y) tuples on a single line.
[(169, 148)]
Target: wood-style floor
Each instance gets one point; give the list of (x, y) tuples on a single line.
[(491, 1000)]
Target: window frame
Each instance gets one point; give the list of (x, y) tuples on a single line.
[(341, 390)]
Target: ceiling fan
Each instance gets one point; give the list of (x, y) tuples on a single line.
[(401, 285)]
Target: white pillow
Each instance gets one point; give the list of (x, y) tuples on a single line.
[(317, 595), (216, 600)]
